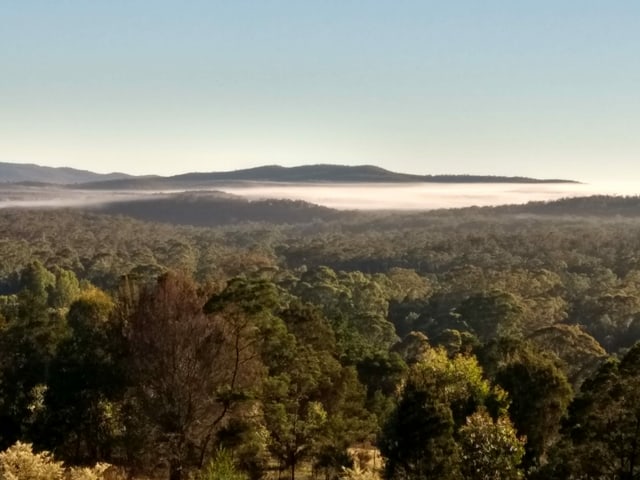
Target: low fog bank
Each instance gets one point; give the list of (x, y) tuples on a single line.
[(427, 196), (50, 197), (419, 196)]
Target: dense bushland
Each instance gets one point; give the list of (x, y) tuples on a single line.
[(476, 344)]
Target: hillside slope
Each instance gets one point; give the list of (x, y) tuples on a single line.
[(16, 172)]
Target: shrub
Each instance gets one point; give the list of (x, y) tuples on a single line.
[(19, 462), (220, 467), (87, 473)]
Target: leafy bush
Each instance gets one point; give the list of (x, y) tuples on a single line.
[(220, 467), (19, 462), (87, 473)]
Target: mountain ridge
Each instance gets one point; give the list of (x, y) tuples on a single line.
[(320, 173), (32, 173), (317, 173)]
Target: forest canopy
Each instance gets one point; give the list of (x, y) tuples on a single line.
[(477, 343)]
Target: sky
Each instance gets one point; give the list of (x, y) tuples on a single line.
[(511, 87)]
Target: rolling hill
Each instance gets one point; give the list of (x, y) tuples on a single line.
[(208, 209), (30, 173), (322, 173)]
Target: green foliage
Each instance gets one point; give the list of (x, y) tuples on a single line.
[(19, 462), (538, 390), (419, 440), (457, 382), (97, 472), (491, 449), (220, 467), (84, 418), (406, 284), (65, 290), (294, 414), (602, 429), (247, 438), (29, 341), (356, 306), (382, 376), (580, 354), (311, 403), (251, 296), (297, 346), (36, 282), (493, 314)]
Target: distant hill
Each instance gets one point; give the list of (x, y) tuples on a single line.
[(33, 174), (208, 209), (30, 174), (594, 205), (306, 173)]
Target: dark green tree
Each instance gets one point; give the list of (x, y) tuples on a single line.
[(418, 440), (83, 418), (538, 391), (491, 314), (603, 429), (28, 342)]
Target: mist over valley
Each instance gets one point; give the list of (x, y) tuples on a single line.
[(340, 196)]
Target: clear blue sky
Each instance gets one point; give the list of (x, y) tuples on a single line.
[(538, 88)]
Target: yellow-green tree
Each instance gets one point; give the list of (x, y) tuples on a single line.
[(491, 449)]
